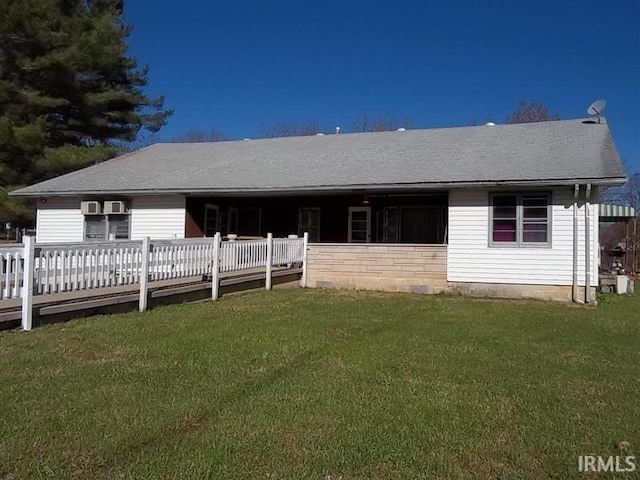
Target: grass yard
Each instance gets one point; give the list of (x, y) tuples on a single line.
[(324, 385)]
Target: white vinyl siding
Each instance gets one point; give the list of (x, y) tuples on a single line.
[(59, 220), (471, 259), (158, 217)]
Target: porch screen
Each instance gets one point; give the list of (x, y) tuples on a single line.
[(249, 221), (387, 225), (309, 221), (211, 220), (421, 225)]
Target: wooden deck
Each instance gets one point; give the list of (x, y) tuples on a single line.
[(80, 303)]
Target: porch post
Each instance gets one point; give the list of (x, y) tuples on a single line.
[(27, 281), (215, 268), (305, 243), (269, 260), (145, 251)]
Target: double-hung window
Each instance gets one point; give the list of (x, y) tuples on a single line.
[(106, 227), (520, 219)]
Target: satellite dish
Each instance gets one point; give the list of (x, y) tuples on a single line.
[(596, 108)]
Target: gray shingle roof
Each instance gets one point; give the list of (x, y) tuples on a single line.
[(559, 152)]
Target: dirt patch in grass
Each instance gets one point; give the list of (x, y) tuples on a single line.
[(482, 466), (79, 349), (337, 334), (573, 357), (334, 365)]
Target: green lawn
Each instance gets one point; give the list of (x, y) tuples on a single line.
[(319, 384)]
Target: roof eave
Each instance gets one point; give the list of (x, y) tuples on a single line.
[(610, 181)]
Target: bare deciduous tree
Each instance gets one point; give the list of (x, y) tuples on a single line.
[(629, 194), (368, 123), (530, 112), (631, 191), (200, 136), (144, 139), (283, 128)]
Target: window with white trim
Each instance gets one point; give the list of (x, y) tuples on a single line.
[(99, 228), (520, 219)]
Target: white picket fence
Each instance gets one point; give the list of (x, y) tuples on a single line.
[(11, 266), (63, 268), (287, 251), (180, 259), (54, 268), (243, 255)]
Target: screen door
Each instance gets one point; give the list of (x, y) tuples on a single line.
[(359, 224)]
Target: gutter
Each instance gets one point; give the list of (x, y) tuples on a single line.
[(587, 244), (353, 188), (574, 284)]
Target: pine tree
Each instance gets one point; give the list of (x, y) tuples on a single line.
[(69, 93)]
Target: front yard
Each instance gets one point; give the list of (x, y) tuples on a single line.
[(318, 384)]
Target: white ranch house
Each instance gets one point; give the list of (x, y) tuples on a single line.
[(505, 210)]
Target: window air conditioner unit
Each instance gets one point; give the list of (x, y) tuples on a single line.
[(114, 207), (90, 208)]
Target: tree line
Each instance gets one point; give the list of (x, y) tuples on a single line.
[(525, 112), (285, 128)]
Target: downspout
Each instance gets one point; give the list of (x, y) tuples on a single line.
[(574, 285), (587, 244)]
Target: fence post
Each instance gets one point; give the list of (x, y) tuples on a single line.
[(305, 243), (269, 260), (27, 282), (215, 268), (144, 274)]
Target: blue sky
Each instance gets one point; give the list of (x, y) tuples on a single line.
[(232, 65)]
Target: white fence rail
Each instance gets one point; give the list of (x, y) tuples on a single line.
[(62, 268), (180, 259), (288, 251), (243, 255), (11, 271), (55, 268)]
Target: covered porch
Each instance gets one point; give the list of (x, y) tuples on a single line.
[(370, 241), (389, 218)]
